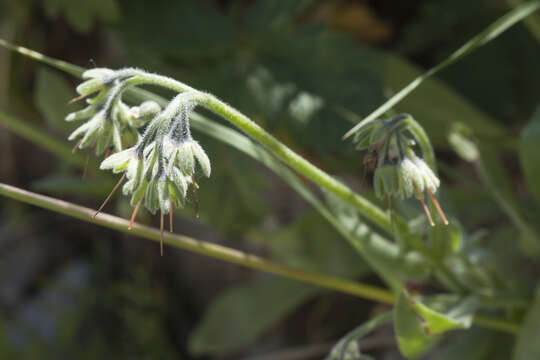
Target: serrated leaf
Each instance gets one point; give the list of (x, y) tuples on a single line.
[(241, 314)]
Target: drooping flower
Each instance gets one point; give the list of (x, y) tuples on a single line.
[(181, 151), (399, 171)]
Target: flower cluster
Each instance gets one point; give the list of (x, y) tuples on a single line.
[(160, 173), (159, 162), (399, 172), (109, 121)]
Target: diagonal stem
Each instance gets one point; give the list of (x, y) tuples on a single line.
[(226, 254)]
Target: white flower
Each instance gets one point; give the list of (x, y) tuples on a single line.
[(99, 78), (129, 162)]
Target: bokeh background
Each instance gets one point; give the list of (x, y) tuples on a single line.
[(301, 69)]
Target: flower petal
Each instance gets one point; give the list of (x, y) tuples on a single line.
[(202, 158)]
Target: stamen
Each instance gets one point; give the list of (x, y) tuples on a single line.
[(110, 195), (196, 196), (134, 214), (438, 207), (171, 217), (74, 100), (74, 150), (426, 210), (161, 235)]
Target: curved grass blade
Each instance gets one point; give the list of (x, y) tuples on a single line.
[(40, 138), (59, 64), (490, 33)]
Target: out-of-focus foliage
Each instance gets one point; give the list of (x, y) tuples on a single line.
[(82, 14), (304, 70)]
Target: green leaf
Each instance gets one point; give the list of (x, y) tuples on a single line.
[(82, 13), (232, 200), (445, 240), (51, 94), (241, 314), (477, 344), (527, 345), (177, 22), (491, 32), (311, 244), (412, 337), (442, 315), (529, 153), (418, 326), (390, 262)]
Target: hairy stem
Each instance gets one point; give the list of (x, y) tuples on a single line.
[(370, 211)]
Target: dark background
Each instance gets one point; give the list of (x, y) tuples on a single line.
[(72, 290)]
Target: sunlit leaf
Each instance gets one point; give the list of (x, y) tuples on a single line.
[(412, 336)]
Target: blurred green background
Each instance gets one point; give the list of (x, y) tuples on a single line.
[(301, 69)]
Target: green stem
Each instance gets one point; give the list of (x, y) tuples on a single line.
[(59, 64), (200, 247), (294, 160), (301, 165), (225, 253)]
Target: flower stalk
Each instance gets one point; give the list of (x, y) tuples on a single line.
[(157, 139)]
